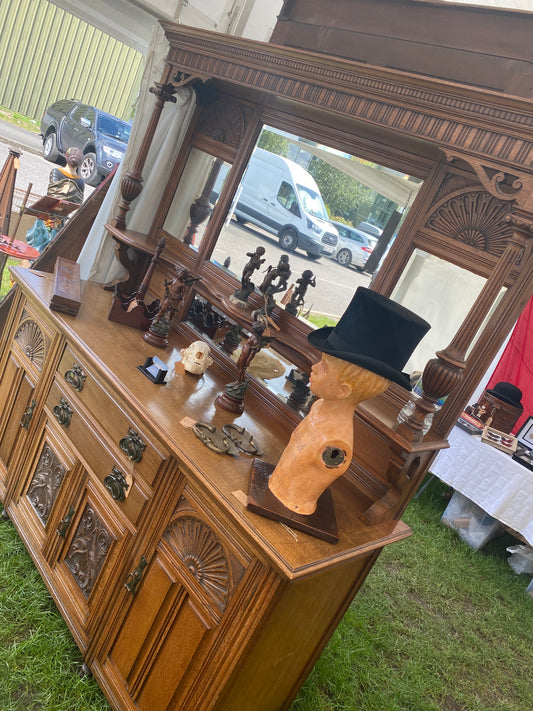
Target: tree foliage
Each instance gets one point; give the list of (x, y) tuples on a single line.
[(344, 196), (274, 143)]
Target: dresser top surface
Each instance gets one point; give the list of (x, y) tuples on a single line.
[(115, 351)]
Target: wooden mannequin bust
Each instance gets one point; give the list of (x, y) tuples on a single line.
[(361, 355), (321, 447)]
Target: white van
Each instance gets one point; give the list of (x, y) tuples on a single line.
[(282, 197)]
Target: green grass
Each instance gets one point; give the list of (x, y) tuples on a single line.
[(319, 320), (435, 627), (39, 660), (6, 276), (19, 120)]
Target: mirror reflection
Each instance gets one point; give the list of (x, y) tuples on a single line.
[(323, 209), (281, 377), (192, 204), (426, 283)]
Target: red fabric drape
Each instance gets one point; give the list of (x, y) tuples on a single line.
[(516, 364)]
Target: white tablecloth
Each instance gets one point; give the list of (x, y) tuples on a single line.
[(490, 478)]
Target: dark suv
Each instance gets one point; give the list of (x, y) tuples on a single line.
[(101, 137)]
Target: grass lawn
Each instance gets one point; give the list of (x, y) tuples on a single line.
[(6, 276), (19, 120), (436, 627)]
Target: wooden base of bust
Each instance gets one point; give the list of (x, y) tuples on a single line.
[(320, 524)]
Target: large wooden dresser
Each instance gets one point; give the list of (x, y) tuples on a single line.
[(176, 594)]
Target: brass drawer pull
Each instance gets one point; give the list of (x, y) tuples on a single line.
[(27, 415), (76, 377), (63, 412), (134, 578), (116, 484), (132, 445), (65, 523)]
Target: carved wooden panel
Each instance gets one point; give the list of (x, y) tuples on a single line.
[(222, 121), (32, 341), (203, 554), (45, 483), (88, 550), (463, 118), (474, 218)]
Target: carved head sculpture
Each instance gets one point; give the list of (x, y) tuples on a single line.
[(196, 358)]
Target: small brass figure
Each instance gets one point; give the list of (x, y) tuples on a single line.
[(269, 286), (232, 399), (298, 295), (175, 290), (247, 286)]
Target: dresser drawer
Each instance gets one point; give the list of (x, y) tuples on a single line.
[(119, 476), (81, 385)]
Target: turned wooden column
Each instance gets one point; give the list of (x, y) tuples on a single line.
[(443, 373), (131, 184), (201, 208)]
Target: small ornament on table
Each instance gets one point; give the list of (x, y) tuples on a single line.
[(300, 393), (298, 295), (270, 286), (175, 289), (232, 399), (232, 339), (195, 359), (240, 297)]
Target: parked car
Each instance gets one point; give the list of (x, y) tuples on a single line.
[(369, 229), (353, 246), (102, 138)]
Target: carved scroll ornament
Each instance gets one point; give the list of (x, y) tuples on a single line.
[(45, 483)]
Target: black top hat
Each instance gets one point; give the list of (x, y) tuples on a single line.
[(508, 393), (374, 332)]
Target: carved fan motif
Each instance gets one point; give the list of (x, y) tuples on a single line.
[(88, 551), (222, 122), (31, 339), (43, 488), (203, 554), (475, 218)]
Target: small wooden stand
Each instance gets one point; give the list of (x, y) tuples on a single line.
[(66, 296), (320, 524), (133, 310)]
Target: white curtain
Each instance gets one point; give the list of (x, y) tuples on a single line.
[(97, 259)]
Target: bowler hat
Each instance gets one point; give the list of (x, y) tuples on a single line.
[(374, 332), (507, 392)]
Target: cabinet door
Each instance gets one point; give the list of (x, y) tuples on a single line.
[(182, 620), (90, 561), (16, 395), (50, 474), (23, 367)]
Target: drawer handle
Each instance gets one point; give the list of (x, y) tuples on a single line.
[(134, 578), (133, 446), (116, 484), (76, 377), (65, 523), (27, 415), (63, 412)]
